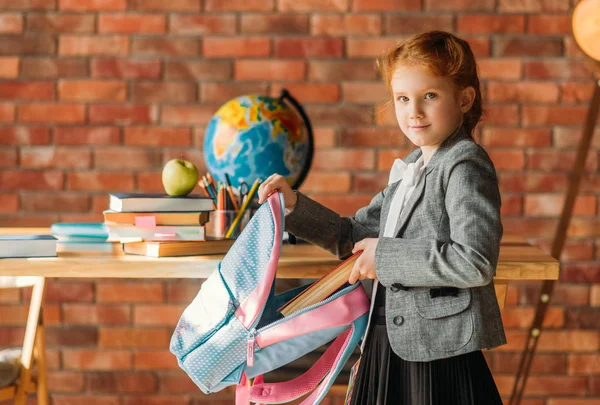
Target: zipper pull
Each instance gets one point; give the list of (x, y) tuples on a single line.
[(250, 353)]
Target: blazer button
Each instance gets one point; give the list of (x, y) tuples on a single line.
[(398, 320), (395, 287)]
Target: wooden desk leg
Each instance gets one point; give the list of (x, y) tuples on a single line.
[(42, 372), (501, 286)]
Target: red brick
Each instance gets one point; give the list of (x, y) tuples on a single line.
[(525, 92), (346, 206), (335, 115), (173, 383), (572, 50), (9, 203), (586, 228), (90, 5), (239, 5), (309, 47), (7, 112), (27, 5), (236, 47), (59, 381), (8, 157), (153, 92), (595, 296), (557, 69), (549, 24), (328, 182), (9, 67), (159, 400), (130, 292), (55, 202), (59, 23), (132, 23), (470, 5), (517, 6), (85, 399), (511, 205), (557, 160), (27, 90), (151, 182), (313, 5), (162, 46), (122, 114), (365, 93), (499, 68), (541, 363), (347, 70), (31, 180), (161, 5), (127, 69), (491, 24), (187, 114), (63, 113), (372, 137), (386, 5), (44, 157), (196, 156), (338, 25), (574, 341), (553, 115), (222, 92), (310, 92), (527, 46), (505, 114), (409, 24), (274, 24), (71, 337), (13, 295), (109, 360), (27, 44), (202, 24), (573, 401), (126, 158), (507, 159), (69, 292), (11, 23), (180, 293), (369, 47), (134, 338), (50, 68), (154, 360), (86, 135), (129, 383), (95, 181), (92, 90), (516, 137), (269, 70), (157, 136), (153, 315), (523, 317), (199, 70), (576, 93), (12, 220), (343, 160), (533, 182), (86, 314), (551, 205), (93, 45)]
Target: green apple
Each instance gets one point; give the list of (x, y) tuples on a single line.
[(179, 177)]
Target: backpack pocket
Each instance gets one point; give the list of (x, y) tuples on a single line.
[(211, 308)]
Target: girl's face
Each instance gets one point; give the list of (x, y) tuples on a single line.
[(428, 107)]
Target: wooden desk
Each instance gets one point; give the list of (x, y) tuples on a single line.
[(518, 261)]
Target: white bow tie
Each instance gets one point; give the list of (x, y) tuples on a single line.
[(401, 170)]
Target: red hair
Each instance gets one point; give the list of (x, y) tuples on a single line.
[(446, 56)]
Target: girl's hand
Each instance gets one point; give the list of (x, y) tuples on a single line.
[(274, 183), (365, 264)]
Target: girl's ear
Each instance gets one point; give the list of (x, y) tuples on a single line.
[(467, 97)]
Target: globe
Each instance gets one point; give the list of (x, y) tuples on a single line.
[(253, 136)]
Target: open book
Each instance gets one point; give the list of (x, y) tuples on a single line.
[(322, 288)]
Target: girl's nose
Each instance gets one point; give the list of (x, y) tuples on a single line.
[(416, 112)]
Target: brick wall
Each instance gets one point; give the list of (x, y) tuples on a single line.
[(96, 95)]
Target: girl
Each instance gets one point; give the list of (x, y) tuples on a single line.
[(430, 239)]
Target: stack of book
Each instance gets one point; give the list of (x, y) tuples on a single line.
[(159, 225), (15, 245), (83, 237)]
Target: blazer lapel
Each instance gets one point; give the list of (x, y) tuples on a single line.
[(411, 203)]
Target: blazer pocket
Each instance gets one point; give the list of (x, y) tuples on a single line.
[(445, 324)]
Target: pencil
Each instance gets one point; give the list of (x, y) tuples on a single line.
[(230, 192), (242, 210)]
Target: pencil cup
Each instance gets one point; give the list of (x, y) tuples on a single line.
[(220, 221)]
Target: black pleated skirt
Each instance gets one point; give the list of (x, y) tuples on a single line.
[(383, 378)]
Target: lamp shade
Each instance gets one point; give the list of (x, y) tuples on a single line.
[(586, 27)]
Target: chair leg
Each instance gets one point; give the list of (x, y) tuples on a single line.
[(42, 372)]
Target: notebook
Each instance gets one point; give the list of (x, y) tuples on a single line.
[(27, 246), (132, 233), (136, 202), (159, 218), (181, 248), (322, 288)]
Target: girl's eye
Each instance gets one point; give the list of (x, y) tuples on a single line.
[(430, 96), (402, 99)]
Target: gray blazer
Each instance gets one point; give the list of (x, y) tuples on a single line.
[(447, 235)]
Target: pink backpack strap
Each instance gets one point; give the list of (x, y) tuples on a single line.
[(287, 391)]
